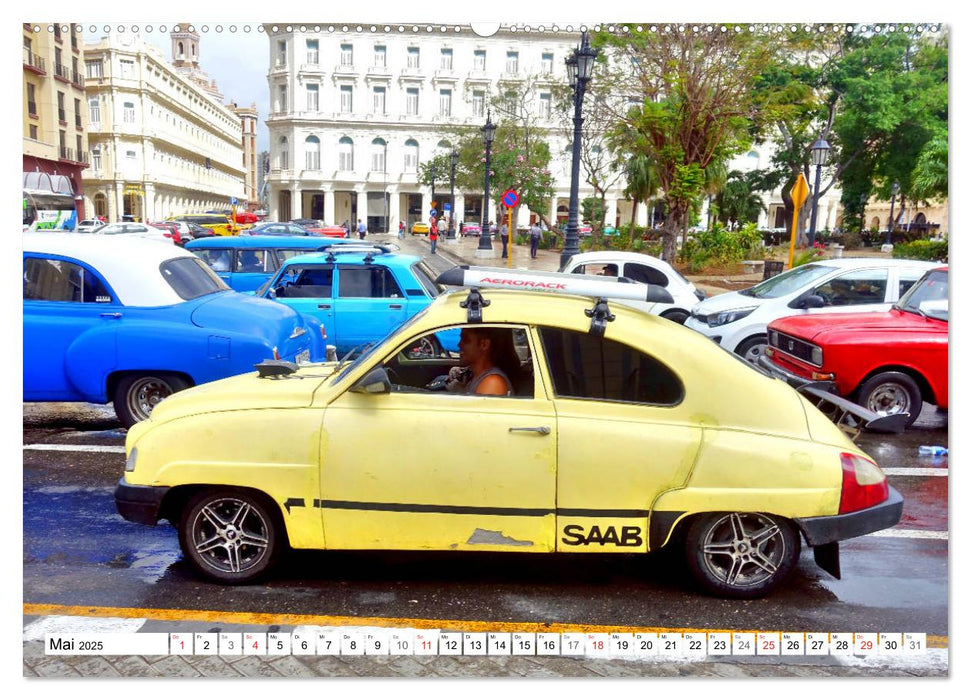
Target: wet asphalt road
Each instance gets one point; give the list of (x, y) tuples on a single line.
[(78, 551)]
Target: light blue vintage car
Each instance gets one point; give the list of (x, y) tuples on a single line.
[(132, 321)]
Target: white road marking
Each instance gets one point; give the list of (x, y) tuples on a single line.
[(69, 624), (911, 534), (916, 471), (78, 448)]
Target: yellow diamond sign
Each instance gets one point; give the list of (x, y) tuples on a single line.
[(800, 191)]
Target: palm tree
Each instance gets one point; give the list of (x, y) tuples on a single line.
[(642, 184), (716, 175), (739, 201), (930, 173)]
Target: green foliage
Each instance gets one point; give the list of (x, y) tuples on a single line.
[(804, 256), (923, 249), (719, 246), (929, 179), (592, 210)]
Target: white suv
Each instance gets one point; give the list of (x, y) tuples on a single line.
[(644, 269), (738, 320)]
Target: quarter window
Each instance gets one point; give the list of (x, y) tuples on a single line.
[(645, 274), (584, 366), (59, 280)]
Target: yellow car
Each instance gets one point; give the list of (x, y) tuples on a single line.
[(220, 224), (622, 432), (419, 227)]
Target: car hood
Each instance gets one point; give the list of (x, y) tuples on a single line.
[(812, 326), (726, 302), (243, 392)]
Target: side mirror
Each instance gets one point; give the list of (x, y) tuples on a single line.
[(813, 301), (374, 382)]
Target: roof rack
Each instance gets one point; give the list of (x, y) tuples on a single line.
[(600, 288), (333, 249)]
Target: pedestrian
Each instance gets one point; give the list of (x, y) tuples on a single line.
[(347, 228), (534, 236), (401, 229), (433, 233), (492, 231), (461, 228), (361, 229), (504, 237)]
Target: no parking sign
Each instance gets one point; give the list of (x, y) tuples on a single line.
[(510, 198)]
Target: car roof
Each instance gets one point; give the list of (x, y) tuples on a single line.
[(355, 258), (617, 256), (842, 263), (310, 242), (130, 265)]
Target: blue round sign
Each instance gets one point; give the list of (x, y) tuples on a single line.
[(510, 198)]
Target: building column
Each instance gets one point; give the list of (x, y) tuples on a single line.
[(552, 212), (643, 210), (459, 211), (426, 204), (119, 201), (394, 208), (361, 206), (149, 201), (296, 204), (611, 216), (330, 210)]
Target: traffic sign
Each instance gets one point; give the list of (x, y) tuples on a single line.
[(447, 207), (433, 212), (510, 198), (232, 200)]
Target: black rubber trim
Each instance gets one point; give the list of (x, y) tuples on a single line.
[(139, 504), (833, 528), (597, 513), (471, 510), (661, 524)]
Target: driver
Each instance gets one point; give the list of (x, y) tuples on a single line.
[(485, 356)]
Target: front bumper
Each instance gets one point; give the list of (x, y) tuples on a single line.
[(140, 504), (833, 528)]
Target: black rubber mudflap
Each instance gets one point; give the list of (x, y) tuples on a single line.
[(828, 557)]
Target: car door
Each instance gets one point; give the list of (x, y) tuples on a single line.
[(368, 304), (414, 469), (69, 325), (855, 291), (308, 289), (622, 440)]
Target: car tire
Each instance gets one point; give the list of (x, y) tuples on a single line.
[(889, 393), (229, 535), (676, 315), (741, 555), (752, 348), (137, 394)]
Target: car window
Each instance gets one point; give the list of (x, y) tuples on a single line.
[(219, 259), (853, 288), (645, 274), (285, 254), (788, 282), (906, 278), (191, 278), (367, 282), (59, 280), (929, 297), (254, 261), (585, 366), (426, 278), (306, 282)]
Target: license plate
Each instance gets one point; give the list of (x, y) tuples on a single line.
[(303, 357)]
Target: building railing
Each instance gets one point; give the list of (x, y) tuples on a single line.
[(34, 61), (32, 108), (61, 115), (66, 153), (77, 79), (63, 72)]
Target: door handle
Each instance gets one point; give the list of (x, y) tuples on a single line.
[(542, 430), (323, 306), (111, 314), (394, 306)]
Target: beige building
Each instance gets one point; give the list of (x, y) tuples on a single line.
[(160, 144), (55, 141), (248, 117)]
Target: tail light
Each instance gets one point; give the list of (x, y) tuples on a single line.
[(864, 483)]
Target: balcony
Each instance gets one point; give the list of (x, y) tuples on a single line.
[(379, 72), (345, 70), (34, 63), (66, 153), (412, 72), (62, 72), (478, 76), (77, 79), (32, 109)]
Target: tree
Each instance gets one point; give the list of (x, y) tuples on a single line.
[(739, 201), (929, 179), (689, 102), (642, 184)]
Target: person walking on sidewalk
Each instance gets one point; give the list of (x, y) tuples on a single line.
[(401, 229), (433, 233), (534, 235), (361, 229), (504, 237)]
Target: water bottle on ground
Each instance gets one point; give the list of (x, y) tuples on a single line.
[(931, 451)]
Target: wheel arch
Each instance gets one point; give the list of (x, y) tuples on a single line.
[(178, 497), (670, 530), (116, 376), (926, 391)]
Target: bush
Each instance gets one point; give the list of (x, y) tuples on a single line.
[(803, 256), (721, 246), (923, 249)]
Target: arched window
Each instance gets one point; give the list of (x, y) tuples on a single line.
[(444, 146), (181, 50), (379, 150), (345, 154), (411, 156), (284, 153), (313, 153), (101, 205)]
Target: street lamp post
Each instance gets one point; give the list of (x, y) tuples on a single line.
[(451, 201), (894, 189), (433, 173), (864, 198), (579, 67), (485, 240), (820, 155)]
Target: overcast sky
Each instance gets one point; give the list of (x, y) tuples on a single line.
[(235, 58)]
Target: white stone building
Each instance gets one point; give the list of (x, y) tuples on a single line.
[(160, 145), (352, 114)]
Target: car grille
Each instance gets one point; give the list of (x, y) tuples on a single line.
[(792, 346)]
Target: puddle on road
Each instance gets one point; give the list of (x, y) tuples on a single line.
[(150, 565), (881, 592)]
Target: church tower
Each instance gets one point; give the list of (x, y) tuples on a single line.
[(185, 47)]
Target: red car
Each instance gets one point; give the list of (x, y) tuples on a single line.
[(171, 230), (887, 362)]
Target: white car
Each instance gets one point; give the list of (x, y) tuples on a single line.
[(645, 269), (136, 230), (89, 225), (738, 320)]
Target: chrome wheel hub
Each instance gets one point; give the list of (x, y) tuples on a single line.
[(230, 535), (744, 549), (889, 399)]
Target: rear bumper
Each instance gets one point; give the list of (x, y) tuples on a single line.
[(833, 528), (140, 504)]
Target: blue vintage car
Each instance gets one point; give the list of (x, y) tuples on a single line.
[(246, 262), (358, 292), (132, 321)]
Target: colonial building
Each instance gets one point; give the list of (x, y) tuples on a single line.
[(55, 113), (161, 144), (352, 115)]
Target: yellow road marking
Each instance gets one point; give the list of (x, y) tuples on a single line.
[(249, 618)]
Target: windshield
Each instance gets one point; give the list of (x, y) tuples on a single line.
[(928, 297), (374, 347), (788, 282), (426, 278), (191, 277)]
